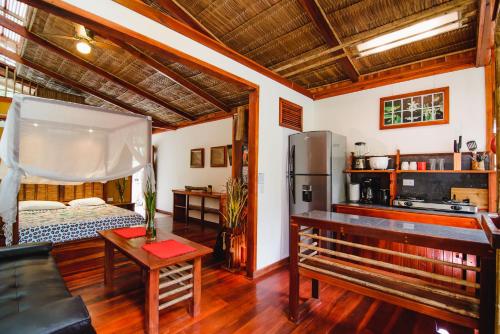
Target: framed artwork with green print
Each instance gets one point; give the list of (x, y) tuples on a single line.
[(426, 107)]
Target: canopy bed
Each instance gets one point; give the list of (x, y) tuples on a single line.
[(52, 142)]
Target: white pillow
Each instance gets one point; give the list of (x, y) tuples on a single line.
[(91, 201), (40, 205)]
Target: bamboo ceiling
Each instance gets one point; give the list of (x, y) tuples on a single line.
[(286, 36), (280, 35), (125, 67)]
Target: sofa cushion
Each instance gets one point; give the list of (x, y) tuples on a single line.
[(29, 282)]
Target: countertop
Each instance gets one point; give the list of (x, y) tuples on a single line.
[(418, 229), (421, 211)]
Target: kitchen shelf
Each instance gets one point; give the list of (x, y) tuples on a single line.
[(369, 171), (448, 171)]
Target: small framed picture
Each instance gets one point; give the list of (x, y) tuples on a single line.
[(197, 158), (218, 157)]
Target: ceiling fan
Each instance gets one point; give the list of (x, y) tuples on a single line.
[(84, 38)]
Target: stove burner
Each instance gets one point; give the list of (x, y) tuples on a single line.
[(443, 205)]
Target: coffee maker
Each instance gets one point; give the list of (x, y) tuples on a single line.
[(369, 187)]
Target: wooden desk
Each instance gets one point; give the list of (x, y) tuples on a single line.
[(171, 274), (182, 206)]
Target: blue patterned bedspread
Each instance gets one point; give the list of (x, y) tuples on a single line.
[(73, 223)]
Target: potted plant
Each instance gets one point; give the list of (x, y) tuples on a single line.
[(121, 186), (231, 239), (150, 201)]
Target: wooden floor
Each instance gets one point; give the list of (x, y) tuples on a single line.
[(230, 303)]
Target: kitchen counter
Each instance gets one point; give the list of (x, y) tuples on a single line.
[(421, 211), (474, 237)]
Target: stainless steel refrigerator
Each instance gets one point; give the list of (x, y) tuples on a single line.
[(316, 161)]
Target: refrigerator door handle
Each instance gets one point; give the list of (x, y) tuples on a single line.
[(291, 173)]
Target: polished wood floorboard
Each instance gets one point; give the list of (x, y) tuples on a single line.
[(230, 303)]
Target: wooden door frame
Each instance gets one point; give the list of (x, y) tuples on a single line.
[(253, 167), (77, 15)]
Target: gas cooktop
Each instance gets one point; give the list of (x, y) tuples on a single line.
[(446, 205)]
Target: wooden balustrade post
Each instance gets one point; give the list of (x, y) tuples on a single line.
[(315, 282), (294, 272), (487, 294)]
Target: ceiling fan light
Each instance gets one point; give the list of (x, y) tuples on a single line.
[(83, 47)]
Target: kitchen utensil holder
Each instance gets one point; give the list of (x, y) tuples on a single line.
[(457, 161)]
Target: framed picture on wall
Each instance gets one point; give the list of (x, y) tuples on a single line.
[(218, 157), (426, 107), (197, 158)]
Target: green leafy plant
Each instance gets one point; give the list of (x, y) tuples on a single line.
[(150, 201), (236, 200), (121, 186)]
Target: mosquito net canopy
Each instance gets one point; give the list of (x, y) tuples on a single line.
[(49, 141)]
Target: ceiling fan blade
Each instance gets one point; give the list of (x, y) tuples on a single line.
[(105, 45), (81, 31), (59, 36)]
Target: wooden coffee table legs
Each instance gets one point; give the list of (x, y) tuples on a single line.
[(194, 303), (152, 282), (109, 253), (151, 316)]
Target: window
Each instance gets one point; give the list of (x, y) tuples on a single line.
[(290, 115)]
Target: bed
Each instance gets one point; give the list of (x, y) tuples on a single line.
[(73, 223), (49, 142)]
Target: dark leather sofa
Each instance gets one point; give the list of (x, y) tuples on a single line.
[(33, 296)]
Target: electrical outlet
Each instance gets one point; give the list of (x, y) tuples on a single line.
[(110, 199), (408, 182)]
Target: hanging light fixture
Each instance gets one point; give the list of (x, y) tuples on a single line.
[(83, 47)]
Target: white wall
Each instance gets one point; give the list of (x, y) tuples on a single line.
[(356, 115), (173, 159), (272, 225)]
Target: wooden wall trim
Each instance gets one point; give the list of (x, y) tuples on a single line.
[(444, 64), (271, 268), (164, 212), (209, 42)]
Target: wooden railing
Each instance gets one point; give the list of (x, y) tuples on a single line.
[(444, 272)]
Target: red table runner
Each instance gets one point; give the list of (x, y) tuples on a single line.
[(131, 232), (167, 249)]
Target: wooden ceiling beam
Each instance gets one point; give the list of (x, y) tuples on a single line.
[(320, 21), (71, 83), (485, 32), (171, 74), (424, 68), (22, 31), (183, 15)]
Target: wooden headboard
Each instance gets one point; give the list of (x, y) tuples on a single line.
[(48, 192)]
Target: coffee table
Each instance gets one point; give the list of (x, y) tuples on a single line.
[(179, 274)]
